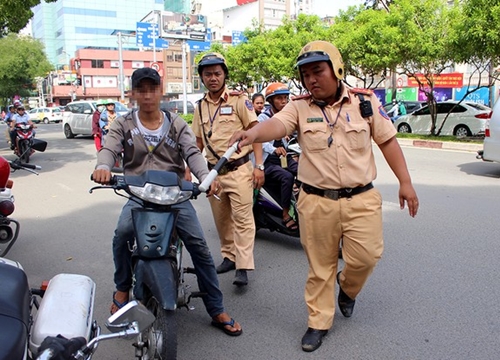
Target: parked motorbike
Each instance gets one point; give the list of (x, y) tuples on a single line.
[(159, 281), (41, 320), (26, 142), (9, 227)]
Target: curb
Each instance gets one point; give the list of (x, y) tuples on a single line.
[(447, 145)]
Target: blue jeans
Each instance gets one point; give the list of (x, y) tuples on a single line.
[(190, 231)]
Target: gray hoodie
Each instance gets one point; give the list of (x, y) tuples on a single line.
[(178, 145)]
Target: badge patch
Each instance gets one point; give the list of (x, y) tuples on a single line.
[(313, 120), (249, 105), (382, 112), (226, 110)]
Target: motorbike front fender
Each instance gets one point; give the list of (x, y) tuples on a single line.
[(158, 278)]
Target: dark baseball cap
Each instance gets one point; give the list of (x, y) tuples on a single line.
[(145, 73)]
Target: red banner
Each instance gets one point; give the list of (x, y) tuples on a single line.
[(451, 80)]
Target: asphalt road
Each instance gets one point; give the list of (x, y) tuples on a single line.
[(434, 294)]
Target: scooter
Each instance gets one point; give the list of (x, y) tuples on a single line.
[(157, 252), (266, 209), (9, 227), (26, 142)]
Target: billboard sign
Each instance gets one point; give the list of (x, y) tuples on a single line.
[(147, 35), (448, 80), (183, 26), (237, 37)]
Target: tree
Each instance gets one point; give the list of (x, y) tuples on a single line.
[(15, 14), (425, 28), (22, 60)]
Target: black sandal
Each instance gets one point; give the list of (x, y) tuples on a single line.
[(292, 227)]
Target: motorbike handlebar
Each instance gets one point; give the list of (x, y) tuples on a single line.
[(17, 165), (205, 185)]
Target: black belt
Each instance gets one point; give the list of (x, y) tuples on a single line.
[(231, 166), (336, 194)]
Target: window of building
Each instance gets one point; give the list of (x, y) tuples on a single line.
[(59, 51), (58, 33), (178, 57), (98, 64)]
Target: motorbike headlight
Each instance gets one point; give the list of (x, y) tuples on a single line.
[(161, 195)]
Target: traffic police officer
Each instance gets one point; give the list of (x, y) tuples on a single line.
[(335, 126), (217, 116)]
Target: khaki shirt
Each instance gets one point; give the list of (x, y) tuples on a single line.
[(233, 111), (348, 162)]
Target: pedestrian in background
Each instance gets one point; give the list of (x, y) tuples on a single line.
[(258, 103), (336, 125), (96, 128)]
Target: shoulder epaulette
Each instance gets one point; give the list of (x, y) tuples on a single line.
[(300, 97), (361, 91), (236, 93)]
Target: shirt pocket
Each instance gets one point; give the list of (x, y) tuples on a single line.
[(315, 137), (358, 135), (227, 126)]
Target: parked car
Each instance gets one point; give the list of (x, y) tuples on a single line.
[(177, 106), (410, 106), (45, 114), (77, 118), (466, 119), (491, 147)]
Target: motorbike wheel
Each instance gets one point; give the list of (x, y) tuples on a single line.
[(24, 152), (161, 336)]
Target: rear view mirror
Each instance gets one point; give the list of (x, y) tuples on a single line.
[(134, 311), (39, 145)]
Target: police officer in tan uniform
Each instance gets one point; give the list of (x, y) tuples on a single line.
[(335, 126), (217, 116)]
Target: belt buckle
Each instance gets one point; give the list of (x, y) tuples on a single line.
[(332, 194), (223, 170)]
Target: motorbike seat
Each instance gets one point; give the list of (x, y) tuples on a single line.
[(14, 312)]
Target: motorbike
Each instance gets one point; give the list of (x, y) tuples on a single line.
[(159, 282), (35, 323), (26, 142), (266, 209), (9, 227)]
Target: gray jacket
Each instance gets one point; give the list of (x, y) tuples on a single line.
[(178, 145)]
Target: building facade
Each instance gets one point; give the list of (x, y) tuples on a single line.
[(68, 25)]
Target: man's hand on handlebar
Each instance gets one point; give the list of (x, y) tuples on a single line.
[(101, 176)]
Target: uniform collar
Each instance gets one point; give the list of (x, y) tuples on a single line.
[(223, 97), (344, 97)]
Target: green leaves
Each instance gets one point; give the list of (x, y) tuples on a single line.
[(15, 14)]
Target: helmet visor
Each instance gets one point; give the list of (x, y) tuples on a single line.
[(312, 56)]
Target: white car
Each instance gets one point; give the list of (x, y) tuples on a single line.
[(45, 114), (491, 150), (466, 119), (77, 118)]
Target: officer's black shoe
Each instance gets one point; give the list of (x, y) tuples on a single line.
[(241, 278), (312, 339), (225, 266), (346, 304)]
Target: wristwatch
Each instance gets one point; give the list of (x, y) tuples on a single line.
[(260, 167)]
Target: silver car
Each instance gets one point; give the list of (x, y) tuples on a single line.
[(77, 117), (466, 119)]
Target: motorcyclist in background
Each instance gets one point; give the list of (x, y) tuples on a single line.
[(20, 118), (8, 119), (96, 129), (279, 167)]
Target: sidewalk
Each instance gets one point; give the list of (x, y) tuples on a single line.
[(448, 145)]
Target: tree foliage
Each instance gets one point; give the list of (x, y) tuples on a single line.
[(15, 14), (22, 60)]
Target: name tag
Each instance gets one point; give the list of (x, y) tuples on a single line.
[(226, 110), (313, 120)]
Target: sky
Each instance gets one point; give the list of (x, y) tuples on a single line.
[(331, 7)]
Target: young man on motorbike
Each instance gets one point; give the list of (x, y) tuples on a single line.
[(21, 117), (280, 168), (154, 140)]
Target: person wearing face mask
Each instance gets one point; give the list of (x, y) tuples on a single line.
[(96, 129), (336, 125)]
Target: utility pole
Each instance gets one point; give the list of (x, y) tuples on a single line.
[(184, 77), (120, 61)]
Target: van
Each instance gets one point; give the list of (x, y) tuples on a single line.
[(491, 147)]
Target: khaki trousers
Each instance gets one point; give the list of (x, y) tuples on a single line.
[(323, 222), (233, 216)]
